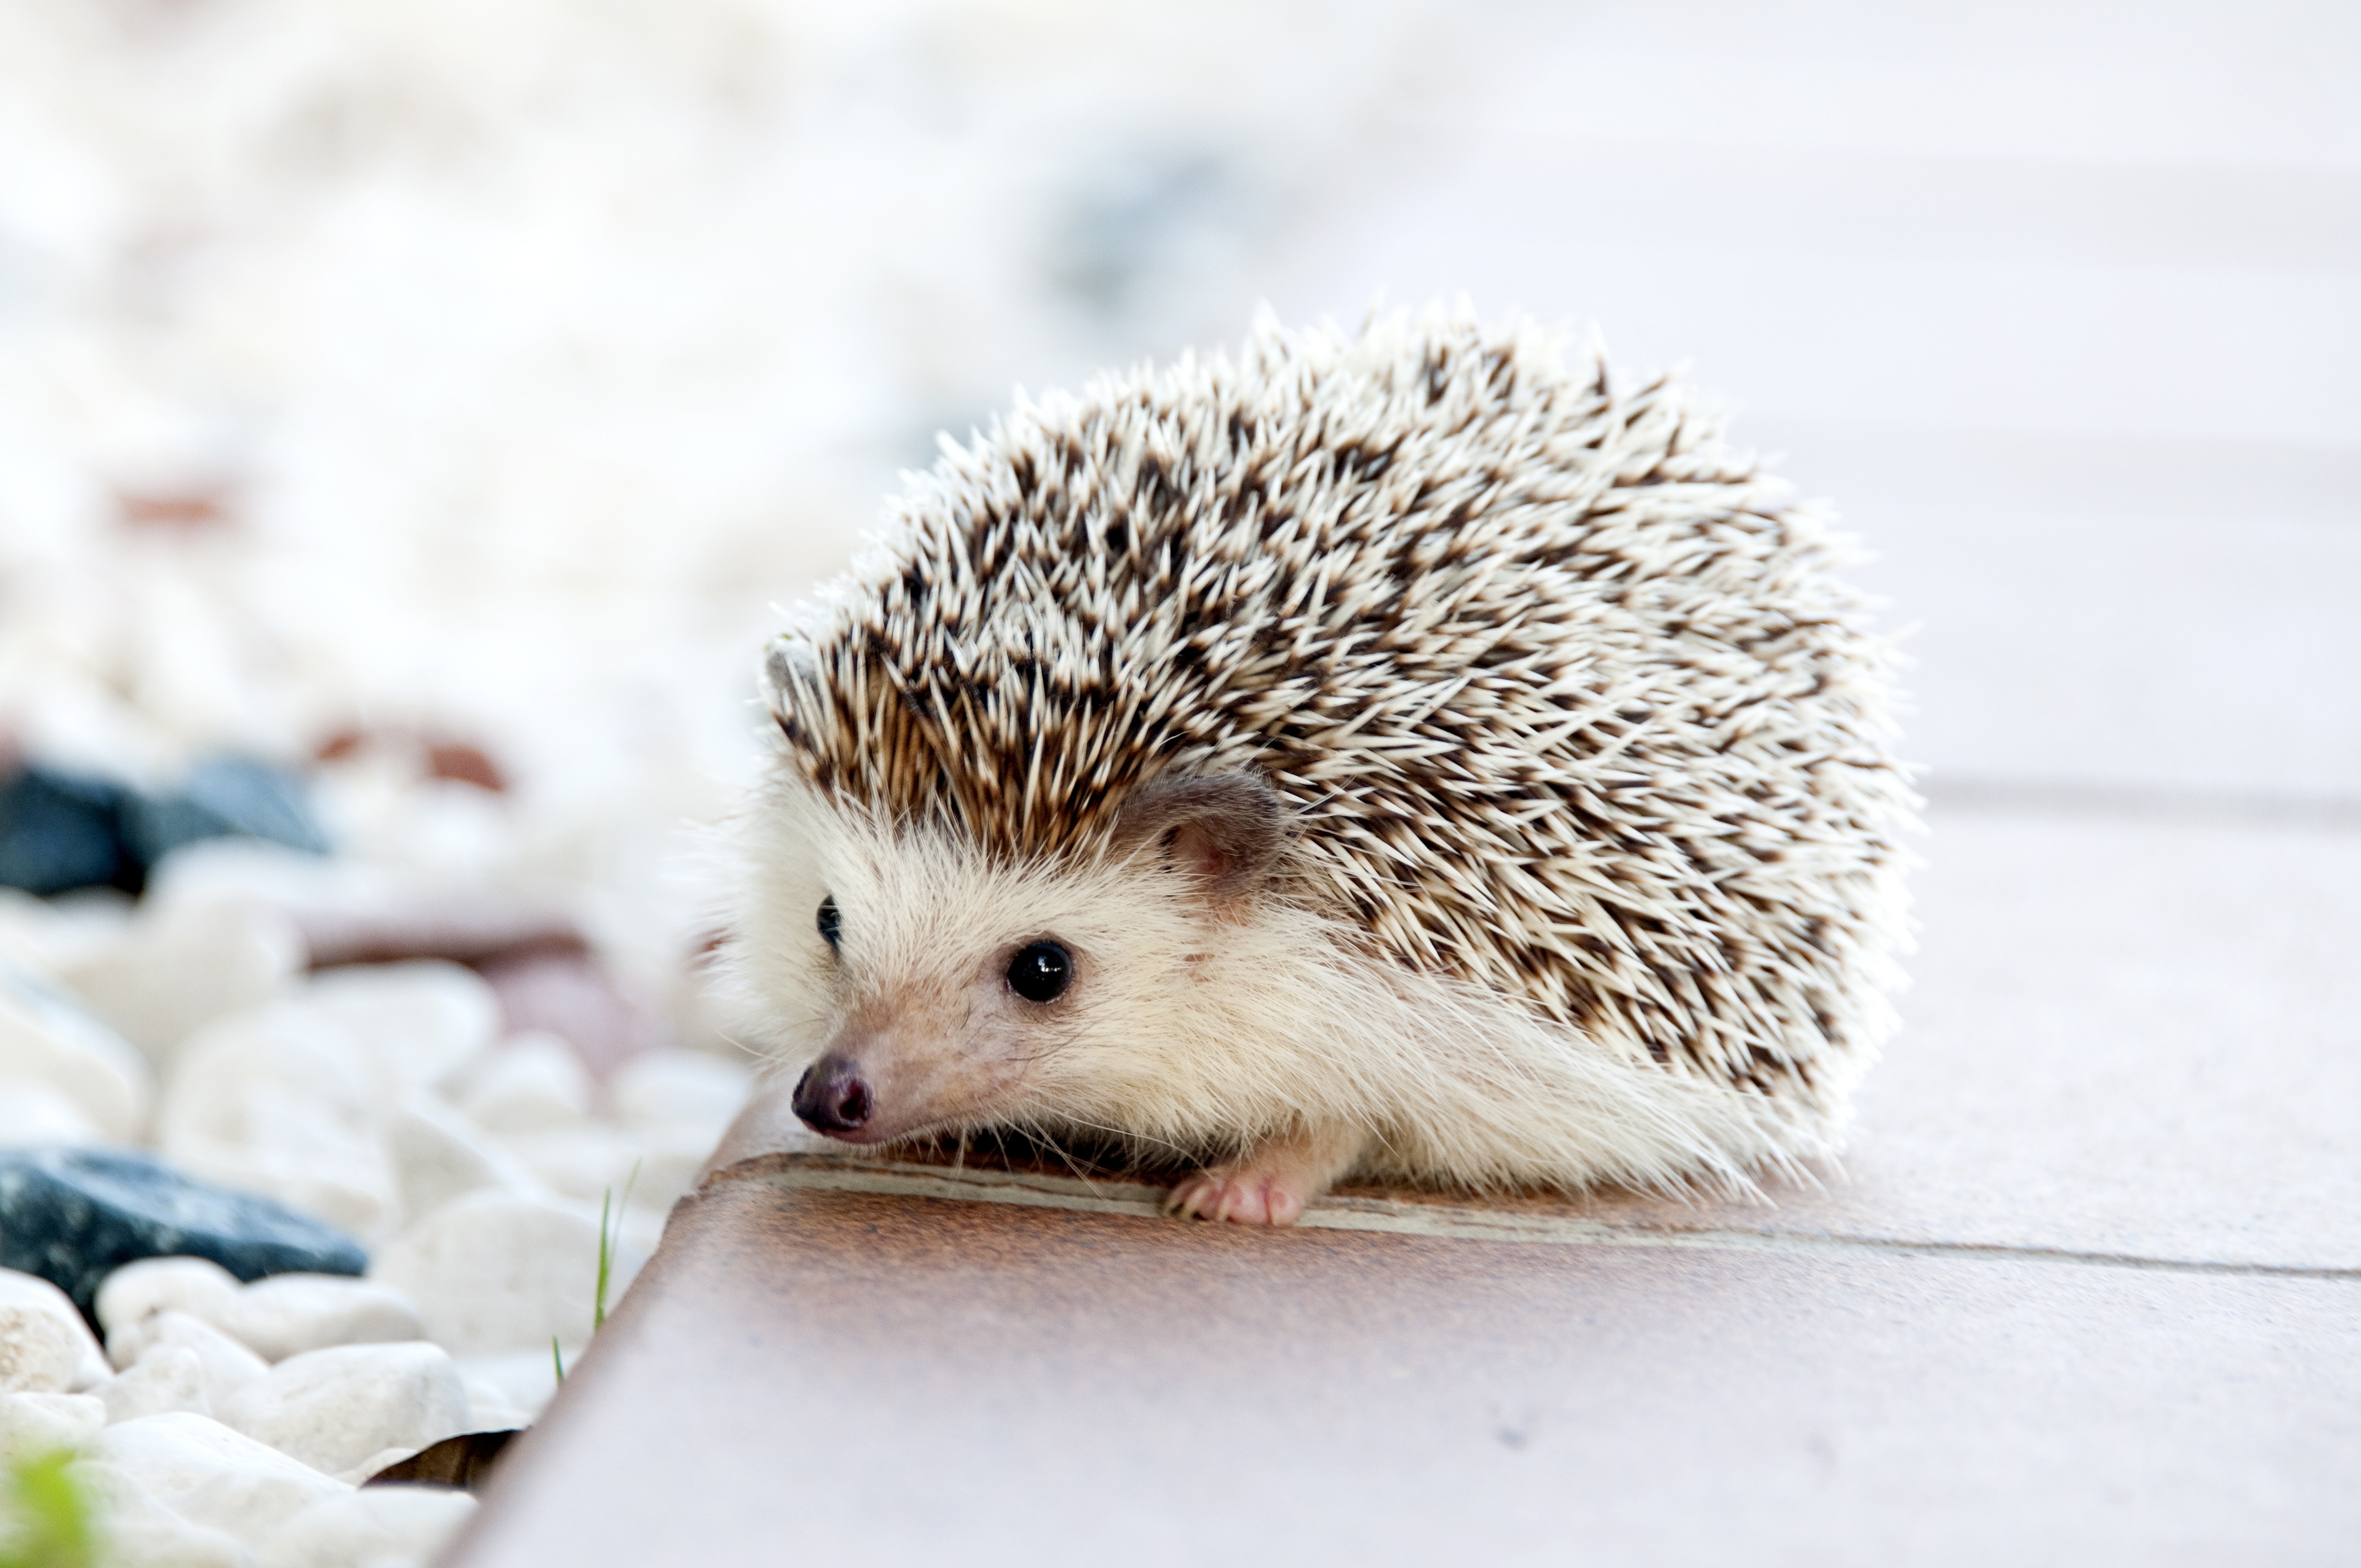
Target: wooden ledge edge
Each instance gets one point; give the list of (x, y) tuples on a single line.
[(768, 1146), (827, 1170)]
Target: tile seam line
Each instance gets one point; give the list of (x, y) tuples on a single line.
[(1379, 1217)]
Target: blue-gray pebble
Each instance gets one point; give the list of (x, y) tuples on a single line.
[(61, 830), (223, 798)]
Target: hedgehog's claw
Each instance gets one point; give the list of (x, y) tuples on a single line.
[(1242, 1196), (1272, 1182)]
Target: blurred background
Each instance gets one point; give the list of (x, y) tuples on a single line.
[(439, 401)]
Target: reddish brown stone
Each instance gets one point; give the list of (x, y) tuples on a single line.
[(198, 508), (470, 931), (463, 764)]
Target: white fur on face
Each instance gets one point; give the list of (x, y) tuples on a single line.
[(1193, 1028)]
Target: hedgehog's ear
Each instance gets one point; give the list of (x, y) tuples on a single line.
[(1225, 830)]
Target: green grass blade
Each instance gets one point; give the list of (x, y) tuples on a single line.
[(609, 1236), (606, 1262), (53, 1528)]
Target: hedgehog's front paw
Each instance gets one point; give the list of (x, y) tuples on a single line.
[(1272, 1183), (1239, 1194)]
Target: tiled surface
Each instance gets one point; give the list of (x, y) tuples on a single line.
[(845, 1377), (2136, 1038)]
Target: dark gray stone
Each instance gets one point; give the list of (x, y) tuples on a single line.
[(75, 1215), (61, 830)]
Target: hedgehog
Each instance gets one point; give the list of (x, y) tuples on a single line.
[(1395, 754)]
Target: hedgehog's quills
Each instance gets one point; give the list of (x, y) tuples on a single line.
[(1387, 755)]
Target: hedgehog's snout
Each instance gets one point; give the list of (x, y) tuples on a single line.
[(832, 1097)]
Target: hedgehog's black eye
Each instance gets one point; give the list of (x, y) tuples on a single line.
[(831, 924), (1039, 973)]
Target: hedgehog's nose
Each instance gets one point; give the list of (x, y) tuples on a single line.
[(831, 1096)]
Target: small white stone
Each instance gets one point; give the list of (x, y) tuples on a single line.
[(211, 1475), (493, 1272), (586, 1161), (490, 1409), (382, 1527), (417, 1021), (333, 1409), (35, 1424), (351, 1189), (670, 1159), (228, 1365), (49, 1037), (439, 1154), (211, 872), (169, 1377), (523, 1380), (169, 976), (96, 1369), (534, 1083), (283, 1101), (47, 935), (34, 1115), (142, 1532), (687, 1090), (288, 1314), (276, 1316), (361, 1475), (133, 1293), (43, 1341)]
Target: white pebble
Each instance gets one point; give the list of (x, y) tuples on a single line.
[(534, 1083), (169, 976), (34, 1115), (688, 1089), (213, 872), (382, 1527), (522, 1381), (439, 1154), (490, 1408), (35, 1424), (44, 1344), (169, 1377), (47, 935), (288, 1314), (669, 1160), (417, 1021), (141, 1532), (276, 1316), (211, 1475), (333, 1409), (362, 1473), (49, 1037), (586, 1161), (228, 1365), (128, 1296), (495, 1272), (282, 1100)]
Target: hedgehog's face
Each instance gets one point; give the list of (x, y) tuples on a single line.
[(928, 988)]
